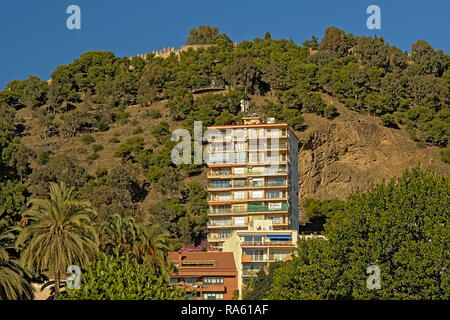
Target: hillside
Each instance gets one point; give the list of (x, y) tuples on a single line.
[(336, 157), (353, 152), (363, 110)]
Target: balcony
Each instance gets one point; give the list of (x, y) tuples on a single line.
[(215, 237), (265, 207), (219, 186), (267, 172), (219, 224), (275, 258), (212, 224), (267, 242), (227, 211), (247, 184), (251, 273), (217, 173), (254, 258)]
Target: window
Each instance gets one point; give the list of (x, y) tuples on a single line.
[(252, 239), (240, 157), (222, 221), (239, 208), (191, 295), (213, 280), (239, 195), (239, 183), (238, 171), (270, 182), (257, 182), (257, 194), (190, 281), (213, 296), (257, 170), (221, 184), (273, 194), (174, 281), (239, 221), (223, 209), (224, 234), (239, 145), (224, 196), (275, 219)]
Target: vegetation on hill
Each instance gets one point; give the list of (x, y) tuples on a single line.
[(96, 94)]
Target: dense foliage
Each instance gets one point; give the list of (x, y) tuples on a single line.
[(118, 277), (400, 226)]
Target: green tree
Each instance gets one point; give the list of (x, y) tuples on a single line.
[(400, 226), (330, 111), (336, 41), (34, 92), (119, 277), (59, 234), (313, 43), (15, 281), (205, 35), (429, 60), (241, 71), (313, 102)]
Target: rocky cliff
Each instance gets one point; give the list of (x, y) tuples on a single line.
[(354, 152)]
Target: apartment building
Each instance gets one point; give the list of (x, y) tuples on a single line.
[(205, 275), (259, 246), (252, 175)]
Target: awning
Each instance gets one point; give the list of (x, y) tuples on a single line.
[(279, 236)]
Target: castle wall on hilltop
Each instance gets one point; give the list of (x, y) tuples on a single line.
[(166, 52)]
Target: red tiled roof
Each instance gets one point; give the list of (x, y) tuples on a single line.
[(223, 263)]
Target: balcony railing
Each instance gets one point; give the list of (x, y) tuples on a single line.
[(259, 258), (219, 224), (246, 185), (277, 257), (250, 272), (212, 237), (219, 173), (267, 242), (265, 208), (271, 172), (219, 186), (230, 211)]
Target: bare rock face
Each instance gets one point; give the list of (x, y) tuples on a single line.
[(353, 152)]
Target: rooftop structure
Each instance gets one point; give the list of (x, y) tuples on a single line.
[(206, 275)]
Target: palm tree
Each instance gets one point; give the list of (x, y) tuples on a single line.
[(146, 244), (122, 234), (14, 281), (60, 233), (155, 249)]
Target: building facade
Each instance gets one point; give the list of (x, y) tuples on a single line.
[(259, 246), (205, 275), (252, 176)]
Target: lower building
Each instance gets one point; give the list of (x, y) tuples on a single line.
[(205, 275), (257, 247)]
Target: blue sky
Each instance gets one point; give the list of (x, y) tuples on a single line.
[(35, 39)]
